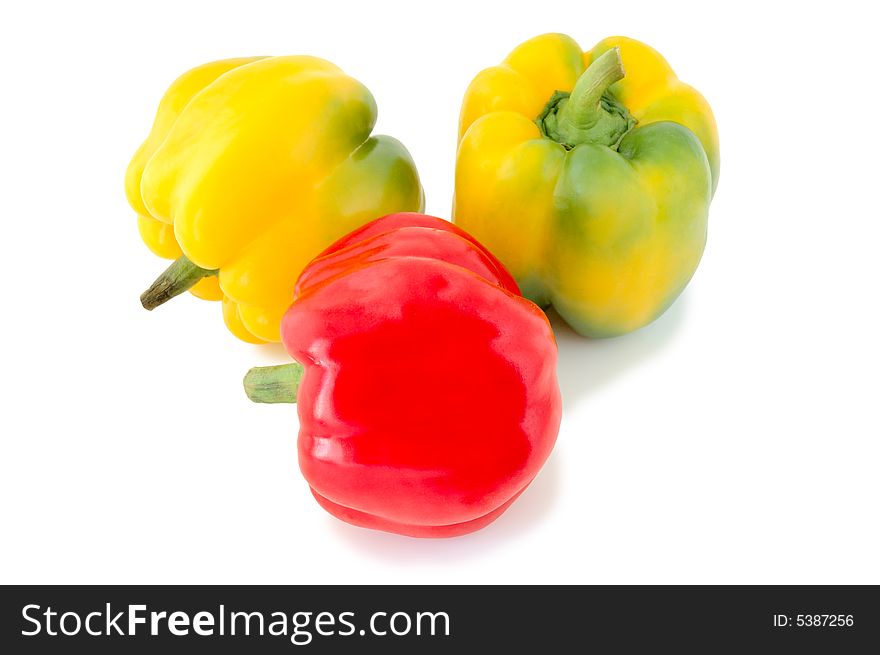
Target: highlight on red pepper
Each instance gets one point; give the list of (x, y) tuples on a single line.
[(425, 383)]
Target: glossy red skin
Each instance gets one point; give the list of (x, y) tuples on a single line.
[(429, 400)]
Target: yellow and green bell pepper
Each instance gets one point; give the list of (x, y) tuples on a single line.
[(589, 174), (253, 166)]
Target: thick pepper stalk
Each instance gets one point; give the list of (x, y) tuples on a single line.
[(254, 166), (426, 385), (589, 174)]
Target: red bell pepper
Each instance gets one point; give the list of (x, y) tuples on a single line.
[(428, 400)]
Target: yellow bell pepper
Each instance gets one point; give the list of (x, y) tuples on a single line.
[(253, 166), (589, 174)]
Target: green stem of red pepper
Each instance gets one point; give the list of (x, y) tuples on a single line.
[(180, 276), (273, 384)]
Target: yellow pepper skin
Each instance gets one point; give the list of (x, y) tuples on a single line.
[(252, 167), (589, 174)]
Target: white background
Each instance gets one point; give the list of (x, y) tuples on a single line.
[(735, 440)]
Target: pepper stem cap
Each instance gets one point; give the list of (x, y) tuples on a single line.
[(273, 384), (590, 113), (180, 276)]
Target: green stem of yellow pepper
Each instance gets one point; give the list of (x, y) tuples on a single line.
[(273, 384), (177, 278), (589, 114)]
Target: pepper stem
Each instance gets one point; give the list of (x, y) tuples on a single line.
[(180, 276), (273, 384), (582, 109), (589, 114)]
